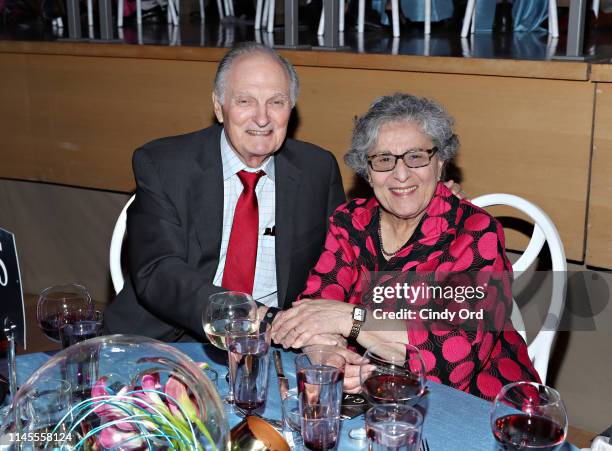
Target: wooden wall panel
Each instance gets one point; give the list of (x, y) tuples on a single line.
[(599, 241), (76, 120), (522, 136)]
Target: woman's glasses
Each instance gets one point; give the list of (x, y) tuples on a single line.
[(414, 158)]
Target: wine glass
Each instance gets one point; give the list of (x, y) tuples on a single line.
[(58, 303), (248, 344), (220, 310), (527, 415), (394, 374)]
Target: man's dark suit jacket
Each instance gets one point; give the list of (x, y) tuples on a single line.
[(175, 224)]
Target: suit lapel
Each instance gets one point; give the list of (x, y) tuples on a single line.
[(207, 196), (287, 186)]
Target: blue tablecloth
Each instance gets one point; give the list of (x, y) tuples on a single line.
[(454, 420)]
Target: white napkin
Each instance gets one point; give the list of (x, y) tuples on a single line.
[(600, 444)]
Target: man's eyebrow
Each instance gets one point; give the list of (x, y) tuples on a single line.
[(241, 94)]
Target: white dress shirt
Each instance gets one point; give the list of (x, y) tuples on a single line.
[(264, 285)]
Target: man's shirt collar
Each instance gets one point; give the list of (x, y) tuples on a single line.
[(232, 164)]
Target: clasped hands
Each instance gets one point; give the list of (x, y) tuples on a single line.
[(320, 322)]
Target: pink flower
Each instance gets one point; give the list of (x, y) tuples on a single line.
[(149, 396), (178, 399), (107, 405), (112, 437)]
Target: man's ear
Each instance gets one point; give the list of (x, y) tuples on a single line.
[(218, 108)]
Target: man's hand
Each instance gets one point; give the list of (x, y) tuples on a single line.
[(308, 318), (455, 188)]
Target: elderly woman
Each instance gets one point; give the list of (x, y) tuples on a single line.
[(412, 227)]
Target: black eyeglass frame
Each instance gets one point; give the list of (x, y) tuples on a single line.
[(430, 152)]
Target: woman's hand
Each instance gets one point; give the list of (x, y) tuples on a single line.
[(455, 188), (327, 340), (351, 371), (297, 326)]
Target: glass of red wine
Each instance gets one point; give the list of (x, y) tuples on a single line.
[(320, 374), (527, 415), (393, 427), (58, 304), (248, 344), (394, 374)]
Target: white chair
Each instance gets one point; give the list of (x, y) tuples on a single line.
[(173, 12), (264, 16), (543, 231), (115, 248), (470, 13), (361, 17)]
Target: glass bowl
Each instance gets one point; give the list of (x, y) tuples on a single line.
[(126, 392)]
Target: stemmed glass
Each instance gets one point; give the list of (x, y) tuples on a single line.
[(220, 310), (58, 304), (527, 415), (394, 374)]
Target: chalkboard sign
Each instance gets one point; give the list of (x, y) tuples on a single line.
[(11, 293)]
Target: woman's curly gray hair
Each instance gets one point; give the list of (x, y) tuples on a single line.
[(429, 115)]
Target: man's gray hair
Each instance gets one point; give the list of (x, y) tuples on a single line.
[(251, 48), (429, 115)]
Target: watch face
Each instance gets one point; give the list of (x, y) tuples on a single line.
[(359, 314)]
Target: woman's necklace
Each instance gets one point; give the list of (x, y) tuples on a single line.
[(388, 255)]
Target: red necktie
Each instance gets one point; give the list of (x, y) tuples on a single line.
[(239, 272)]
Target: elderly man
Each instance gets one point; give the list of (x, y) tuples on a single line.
[(234, 206)]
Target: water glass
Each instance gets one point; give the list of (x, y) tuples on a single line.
[(320, 427), (79, 326), (292, 418), (44, 409), (249, 360), (320, 374), (80, 366), (393, 427)]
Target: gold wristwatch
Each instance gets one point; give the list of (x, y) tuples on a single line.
[(359, 317)]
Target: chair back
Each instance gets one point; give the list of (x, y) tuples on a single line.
[(544, 230), (115, 247)]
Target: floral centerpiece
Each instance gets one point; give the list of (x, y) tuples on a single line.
[(126, 392)]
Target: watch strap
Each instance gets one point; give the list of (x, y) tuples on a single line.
[(270, 314), (355, 330)]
